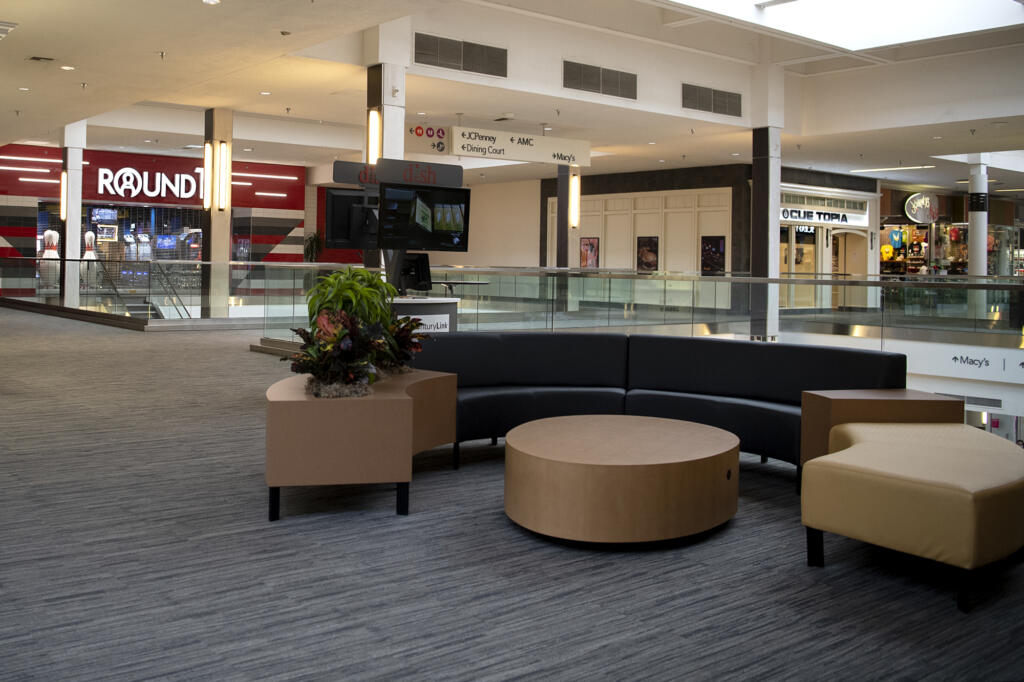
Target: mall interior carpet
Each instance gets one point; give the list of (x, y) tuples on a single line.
[(134, 545)]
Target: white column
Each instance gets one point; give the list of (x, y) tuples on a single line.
[(218, 133), (389, 46), (977, 233), (74, 144), (977, 222)]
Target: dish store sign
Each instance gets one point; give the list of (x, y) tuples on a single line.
[(922, 207)]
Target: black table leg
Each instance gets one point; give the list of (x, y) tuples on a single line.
[(402, 500), (815, 547), (275, 502)]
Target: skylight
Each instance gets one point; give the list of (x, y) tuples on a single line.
[(867, 24)]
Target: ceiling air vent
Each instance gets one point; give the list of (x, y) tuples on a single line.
[(5, 28), (715, 101), (40, 59), (464, 56), (576, 76)]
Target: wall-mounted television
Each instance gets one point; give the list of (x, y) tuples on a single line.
[(350, 219), (104, 215), (166, 241), (423, 218)]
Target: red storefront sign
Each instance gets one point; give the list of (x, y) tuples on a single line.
[(119, 178)]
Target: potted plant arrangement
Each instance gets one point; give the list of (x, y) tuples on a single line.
[(353, 338)]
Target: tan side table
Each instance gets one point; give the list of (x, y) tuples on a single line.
[(620, 478), (336, 441), (821, 410)]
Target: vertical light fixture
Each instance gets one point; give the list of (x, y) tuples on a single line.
[(223, 176), (373, 136), (63, 195), (574, 196), (207, 175)]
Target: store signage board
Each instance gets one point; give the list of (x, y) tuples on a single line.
[(922, 207), (399, 172), (830, 218), (503, 145), (427, 139), (434, 324)]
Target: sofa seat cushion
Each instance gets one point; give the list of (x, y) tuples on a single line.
[(764, 428), (947, 492), (485, 411)]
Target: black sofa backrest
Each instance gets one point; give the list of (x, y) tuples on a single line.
[(528, 358), (775, 372)]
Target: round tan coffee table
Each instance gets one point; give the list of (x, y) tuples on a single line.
[(620, 478)]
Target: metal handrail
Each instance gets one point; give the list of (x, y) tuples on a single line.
[(176, 297)]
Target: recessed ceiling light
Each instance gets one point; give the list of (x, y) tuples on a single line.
[(661, 160), (148, 141), (193, 146), (735, 154), (211, 2), (67, 67), (548, 128), (1019, 189), (23, 89), (964, 182), (936, 137), (652, 143), (247, 149), (897, 168), (264, 92), (421, 113)]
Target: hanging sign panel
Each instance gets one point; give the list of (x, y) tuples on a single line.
[(421, 138), (501, 144)]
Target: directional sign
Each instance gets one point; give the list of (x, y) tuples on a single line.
[(422, 138), (501, 144)]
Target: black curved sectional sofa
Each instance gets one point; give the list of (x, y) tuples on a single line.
[(749, 388)]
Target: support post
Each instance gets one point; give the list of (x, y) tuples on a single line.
[(274, 498), (815, 547), (402, 499)]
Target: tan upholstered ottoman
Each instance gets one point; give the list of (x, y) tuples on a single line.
[(947, 492)]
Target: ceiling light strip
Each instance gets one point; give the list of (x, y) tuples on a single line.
[(269, 194), (241, 182), (25, 170), (268, 177), (897, 168), (52, 182), (30, 158)]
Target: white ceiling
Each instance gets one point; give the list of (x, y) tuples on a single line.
[(226, 55)]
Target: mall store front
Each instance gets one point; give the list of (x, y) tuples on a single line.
[(824, 233)]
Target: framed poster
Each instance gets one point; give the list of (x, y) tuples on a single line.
[(646, 254), (712, 255), (589, 252)]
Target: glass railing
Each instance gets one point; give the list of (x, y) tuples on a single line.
[(497, 299), (272, 295)]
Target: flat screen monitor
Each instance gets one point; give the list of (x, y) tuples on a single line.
[(416, 272), (350, 219), (104, 215), (424, 218), (166, 241)]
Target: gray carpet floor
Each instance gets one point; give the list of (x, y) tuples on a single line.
[(134, 545)]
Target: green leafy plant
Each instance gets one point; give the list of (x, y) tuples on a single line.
[(358, 292), (312, 247), (402, 341), (339, 349)]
